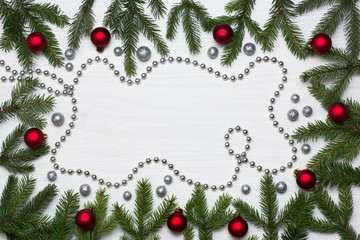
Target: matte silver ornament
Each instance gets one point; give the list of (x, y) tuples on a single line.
[(307, 111), (69, 67), (295, 98), (281, 187), (305, 148), (213, 52), (118, 51), (249, 49), (127, 195), (85, 190), (143, 53), (52, 176), (245, 189), (168, 179), (293, 115), (70, 54), (58, 119), (161, 191)]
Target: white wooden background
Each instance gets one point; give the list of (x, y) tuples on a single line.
[(180, 113)]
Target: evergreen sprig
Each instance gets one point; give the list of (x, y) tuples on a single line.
[(198, 213), (25, 105), (281, 13), (145, 222), (294, 216), (103, 224), (127, 20), (240, 16), (21, 17), (194, 16), (340, 11)]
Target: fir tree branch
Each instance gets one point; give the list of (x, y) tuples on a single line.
[(309, 5), (352, 31), (338, 174), (111, 15), (158, 8), (189, 233), (269, 205)]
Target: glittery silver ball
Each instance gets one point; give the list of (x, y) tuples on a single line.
[(213, 52), (305, 148), (143, 53), (161, 191), (70, 54), (85, 190), (281, 187), (293, 115), (295, 98), (118, 51), (245, 189), (52, 176), (127, 195), (249, 49), (307, 111), (168, 179), (58, 119), (69, 67)]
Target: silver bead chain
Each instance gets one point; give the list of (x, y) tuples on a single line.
[(69, 91)]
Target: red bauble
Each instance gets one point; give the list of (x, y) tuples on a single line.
[(34, 137), (338, 112), (306, 179), (321, 43), (238, 227), (85, 219), (100, 37), (177, 222), (36, 41), (223, 33)]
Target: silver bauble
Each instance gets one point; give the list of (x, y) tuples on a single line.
[(70, 54), (118, 51), (127, 195), (307, 111), (143, 53), (161, 191), (69, 67), (58, 119), (213, 52), (249, 49), (85, 190), (245, 189), (52, 176), (305, 148), (293, 115), (281, 187), (295, 98), (168, 179)]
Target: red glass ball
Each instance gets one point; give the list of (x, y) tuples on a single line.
[(36, 42), (223, 34), (306, 179), (321, 43), (338, 112), (85, 219), (100, 37), (34, 137), (177, 222), (238, 227)]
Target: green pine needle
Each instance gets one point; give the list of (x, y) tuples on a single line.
[(338, 174), (189, 233)]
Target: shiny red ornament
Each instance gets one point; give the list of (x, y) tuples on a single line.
[(85, 219), (305, 179), (34, 137), (223, 34), (36, 42), (100, 37), (177, 222), (238, 227), (338, 112), (321, 43)]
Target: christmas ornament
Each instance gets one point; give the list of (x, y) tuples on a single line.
[(281, 187), (307, 111), (238, 227), (177, 222), (161, 191), (52, 176), (249, 49), (223, 34), (118, 51), (85, 219), (306, 178), (143, 53), (305, 148), (127, 195), (36, 42), (338, 112), (168, 179), (100, 37), (58, 119), (34, 137), (293, 115), (213, 52), (85, 190), (70, 54), (321, 43), (295, 98), (245, 189), (69, 67)]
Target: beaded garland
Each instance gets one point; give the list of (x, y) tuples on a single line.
[(241, 158)]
